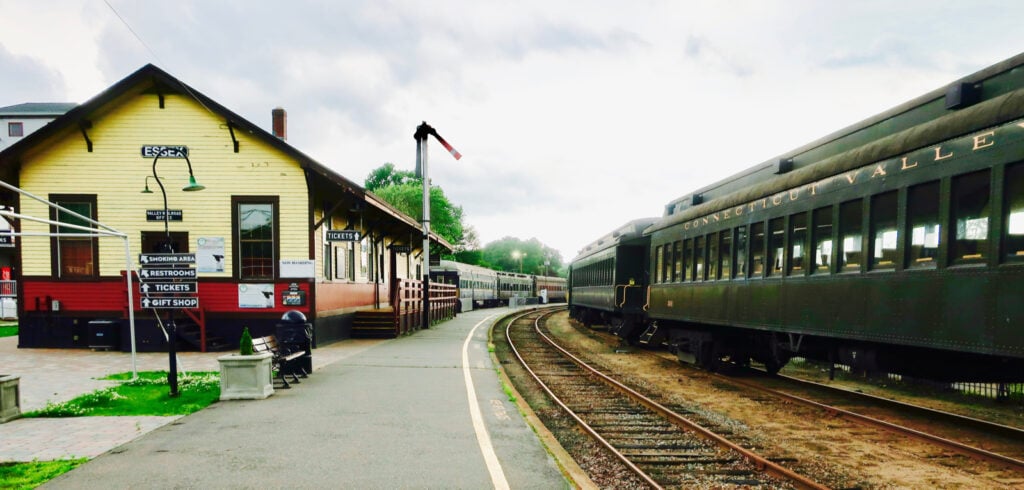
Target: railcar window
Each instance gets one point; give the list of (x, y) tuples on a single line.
[(969, 213), (667, 274), (725, 251), (757, 243), (776, 236), (712, 256), (698, 255), (677, 260), (822, 240), (1013, 220), (797, 243), (658, 263), (923, 223), (688, 260), (741, 251), (850, 235), (884, 235)]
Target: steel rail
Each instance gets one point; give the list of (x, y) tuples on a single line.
[(757, 460), (1000, 429), (579, 421), (961, 448)]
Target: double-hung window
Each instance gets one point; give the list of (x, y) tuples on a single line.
[(75, 253), (256, 237)]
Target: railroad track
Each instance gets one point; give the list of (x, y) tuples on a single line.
[(663, 448), (1003, 445)]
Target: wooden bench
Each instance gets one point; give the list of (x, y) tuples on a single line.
[(284, 362)]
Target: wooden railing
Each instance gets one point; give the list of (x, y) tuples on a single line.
[(408, 307)]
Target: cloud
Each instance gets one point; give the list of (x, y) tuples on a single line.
[(28, 80), (573, 117)]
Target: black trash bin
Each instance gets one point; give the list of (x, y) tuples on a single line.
[(104, 334), (294, 334)]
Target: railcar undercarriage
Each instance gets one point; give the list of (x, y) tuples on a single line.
[(712, 347)]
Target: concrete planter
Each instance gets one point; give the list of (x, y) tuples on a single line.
[(246, 377), (10, 398)]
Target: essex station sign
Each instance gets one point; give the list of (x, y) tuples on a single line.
[(161, 284)]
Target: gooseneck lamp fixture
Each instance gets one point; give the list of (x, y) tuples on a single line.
[(146, 190), (172, 333)]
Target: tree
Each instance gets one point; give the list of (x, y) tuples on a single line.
[(404, 191), (386, 175), (507, 254)]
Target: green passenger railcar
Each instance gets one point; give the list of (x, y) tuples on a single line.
[(894, 245)]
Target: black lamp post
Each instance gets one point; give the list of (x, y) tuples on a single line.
[(172, 332)]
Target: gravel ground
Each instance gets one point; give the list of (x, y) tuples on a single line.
[(835, 452)]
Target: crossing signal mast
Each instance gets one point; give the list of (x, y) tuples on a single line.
[(422, 131)]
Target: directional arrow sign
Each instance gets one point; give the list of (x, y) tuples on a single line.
[(343, 236), (189, 273), (166, 259), (188, 303), (168, 287)]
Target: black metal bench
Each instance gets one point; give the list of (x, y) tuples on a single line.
[(284, 362)]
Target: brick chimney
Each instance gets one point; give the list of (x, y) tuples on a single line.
[(280, 118)]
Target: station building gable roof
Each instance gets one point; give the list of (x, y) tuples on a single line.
[(152, 80)]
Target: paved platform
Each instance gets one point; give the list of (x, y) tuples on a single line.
[(422, 411)]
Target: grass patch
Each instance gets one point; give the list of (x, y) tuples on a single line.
[(147, 395), (8, 330), (31, 475)]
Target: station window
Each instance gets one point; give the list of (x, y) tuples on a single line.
[(688, 260), (851, 237), (256, 232), (776, 238), (757, 249), (725, 250), (969, 213), (797, 243), (741, 251), (822, 240), (74, 256), (677, 260), (698, 256), (923, 223), (884, 236), (712, 256), (1013, 220)]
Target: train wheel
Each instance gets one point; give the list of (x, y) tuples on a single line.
[(776, 357), (773, 367), (707, 357)]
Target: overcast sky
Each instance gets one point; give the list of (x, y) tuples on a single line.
[(573, 117)]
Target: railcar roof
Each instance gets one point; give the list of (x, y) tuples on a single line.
[(629, 231), (448, 265), (989, 83)]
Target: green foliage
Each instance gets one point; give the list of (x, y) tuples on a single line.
[(245, 344), (31, 475), (386, 175), (8, 330), (505, 254), (146, 395), (445, 217)]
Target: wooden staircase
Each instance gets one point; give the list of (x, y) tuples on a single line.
[(374, 324), (190, 333)]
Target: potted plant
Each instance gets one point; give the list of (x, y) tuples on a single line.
[(10, 398), (246, 375)]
